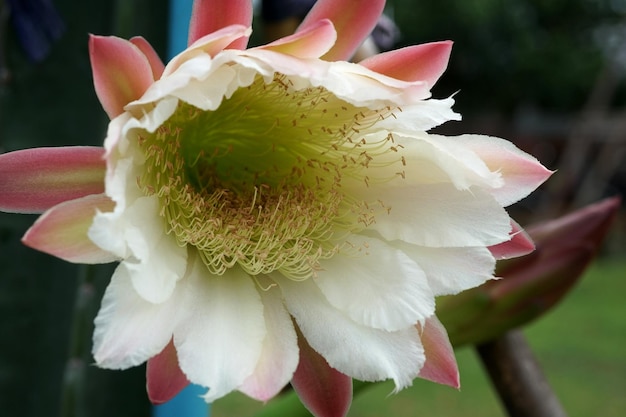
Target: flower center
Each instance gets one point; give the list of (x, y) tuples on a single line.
[(258, 181)]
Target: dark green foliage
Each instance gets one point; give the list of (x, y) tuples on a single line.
[(509, 53)]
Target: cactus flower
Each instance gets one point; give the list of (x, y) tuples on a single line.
[(262, 199)]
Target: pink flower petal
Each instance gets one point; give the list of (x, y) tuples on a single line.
[(520, 244), (34, 180), (353, 21), (522, 173), (440, 363), (209, 16), (62, 231), (153, 58), (164, 377), (312, 42), (425, 62), (324, 391), (121, 72)]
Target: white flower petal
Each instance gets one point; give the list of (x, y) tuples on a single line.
[(462, 166), (109, 229), (351, 82), (130, 330), (155, 277), (377, 285), (451, 270), (439, 215), (220, 339), (148, 118), (420, 116), (198, 67), (107, 232), (422, 158), (279, 357), (144, 228), (353, 349), (114, 133), (207, 95), (154, 260)]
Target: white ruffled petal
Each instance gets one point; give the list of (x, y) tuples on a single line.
[(154, 260), (279, 357), (130, 330), (155, 277), (108, 228), (220, 339), (421, 158), (376, 285), (353, 349), (451, 270), (439, 215), (420, 116), (200, 93), (157, 261)]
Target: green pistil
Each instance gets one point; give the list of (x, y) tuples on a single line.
[(258, 182)]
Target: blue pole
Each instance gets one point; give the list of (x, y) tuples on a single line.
[(188, 403), (179, 13)]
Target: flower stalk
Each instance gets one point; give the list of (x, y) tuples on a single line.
[(517, 377)]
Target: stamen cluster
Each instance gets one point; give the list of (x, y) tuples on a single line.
[(258, 181)]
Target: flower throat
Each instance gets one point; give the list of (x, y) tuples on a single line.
[(257, 182)]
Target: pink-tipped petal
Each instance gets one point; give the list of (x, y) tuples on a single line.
[(522, 173), (153, 58), (164, 377), (311, 42), (425, 62), (34, 180), (440, 365), (520, 244), (324, 391), (209, 16), (62, 231), (121, 72), (353, 21)]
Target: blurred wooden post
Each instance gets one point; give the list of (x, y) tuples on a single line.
[(516, 375)]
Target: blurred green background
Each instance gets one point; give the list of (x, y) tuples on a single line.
[(546, 74)]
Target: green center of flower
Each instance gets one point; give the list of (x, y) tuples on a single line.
[(258, 181)]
